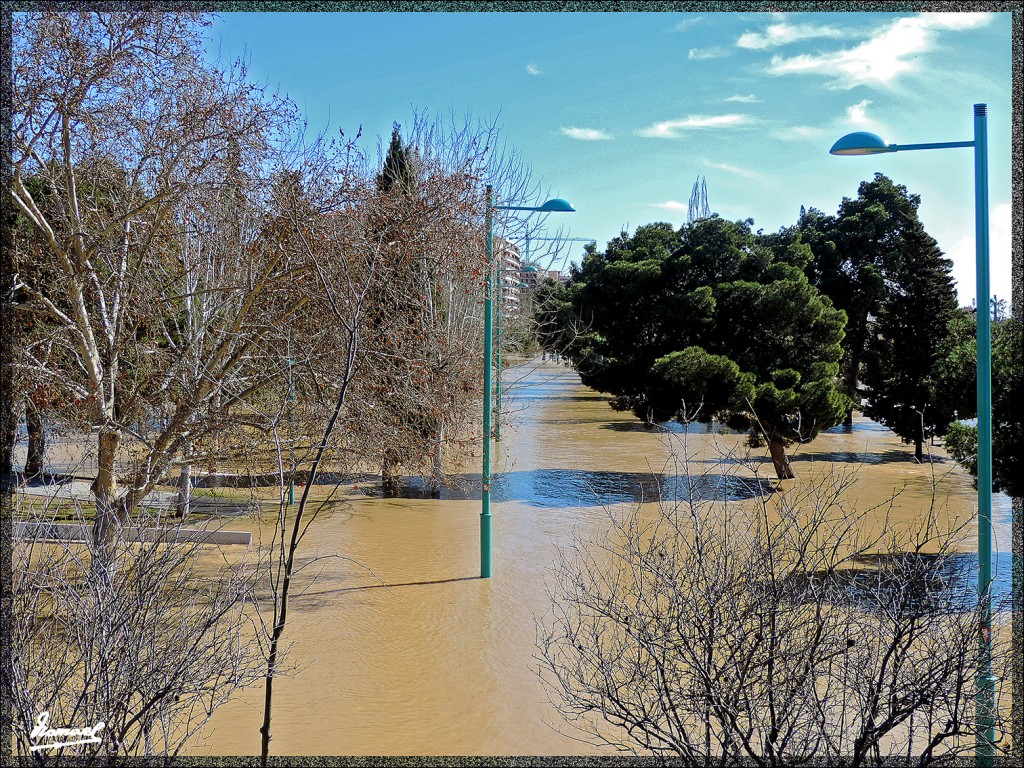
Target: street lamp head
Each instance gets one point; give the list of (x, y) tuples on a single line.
[(557, 205), (860, 143)]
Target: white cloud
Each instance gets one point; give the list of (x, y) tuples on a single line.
[(855, 116), (687, 23), (672, 205), (858, 113), (703, 54), (751, 99), (586, 134), (858, 117), (783, 33), (670, 129), (891, 51), (736, 170), (801, 132), (532, 69)]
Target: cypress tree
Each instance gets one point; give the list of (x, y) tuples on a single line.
[(876, 262), (398, 171)]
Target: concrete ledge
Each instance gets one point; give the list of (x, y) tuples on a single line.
[(75, 532)]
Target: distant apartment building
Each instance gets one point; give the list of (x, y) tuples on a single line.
[(532, 276), (506, 255)]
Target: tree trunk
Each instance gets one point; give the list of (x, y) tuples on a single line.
[(853, 374), (389, 485), (104, 489), (8, 423), (435, 478), (852, 381), (36, 441), (281, 608), (919, 448), (783, 470), (183, 503), (109, 513)]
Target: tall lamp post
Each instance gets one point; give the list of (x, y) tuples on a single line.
[(557, 205), (862, 143)]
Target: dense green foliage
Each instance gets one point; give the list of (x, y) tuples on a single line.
[(715, 322), (711, 322), (955, 387), (398, 171), (876, 262)]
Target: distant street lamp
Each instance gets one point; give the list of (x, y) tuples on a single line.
[(557, 205), (862, 143)]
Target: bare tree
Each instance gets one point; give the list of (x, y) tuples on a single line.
[(149, 652), (317, 224), (418, 389), (779, 630), (130, 136), (383, 349)]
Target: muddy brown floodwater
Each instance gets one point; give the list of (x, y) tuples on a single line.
[(413, 654)]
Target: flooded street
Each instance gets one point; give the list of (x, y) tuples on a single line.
[(404, 651)]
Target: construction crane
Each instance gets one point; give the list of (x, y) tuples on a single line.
[(526, 258)]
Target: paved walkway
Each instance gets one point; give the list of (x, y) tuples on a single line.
[(202, 505), (81, 533)]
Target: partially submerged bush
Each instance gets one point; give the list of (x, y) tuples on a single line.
[(782, 630)]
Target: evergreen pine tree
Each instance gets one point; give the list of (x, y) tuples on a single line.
[(398, 170), (905, 341), (876, 262)]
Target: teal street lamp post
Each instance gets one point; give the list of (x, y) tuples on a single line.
[(862, 143), (557, 205)]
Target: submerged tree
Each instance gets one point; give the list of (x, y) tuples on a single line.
[(138, 145), (712, 322), (954, 388), (555, 322), (390, 328), (877, 263), (905, 340), (784, 630), (418, 386)]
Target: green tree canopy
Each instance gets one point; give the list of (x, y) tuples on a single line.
[(712, 321), (905, 341), (876, 262), (954, 388), (399, 170)]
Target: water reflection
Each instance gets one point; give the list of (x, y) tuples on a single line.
[(566, 487), (587, 488), (863, 457), (858, 425), (668, 428), (1002, 577), (407, 652), (916, 581)]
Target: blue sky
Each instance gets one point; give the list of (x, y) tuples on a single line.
[(620, 112)]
